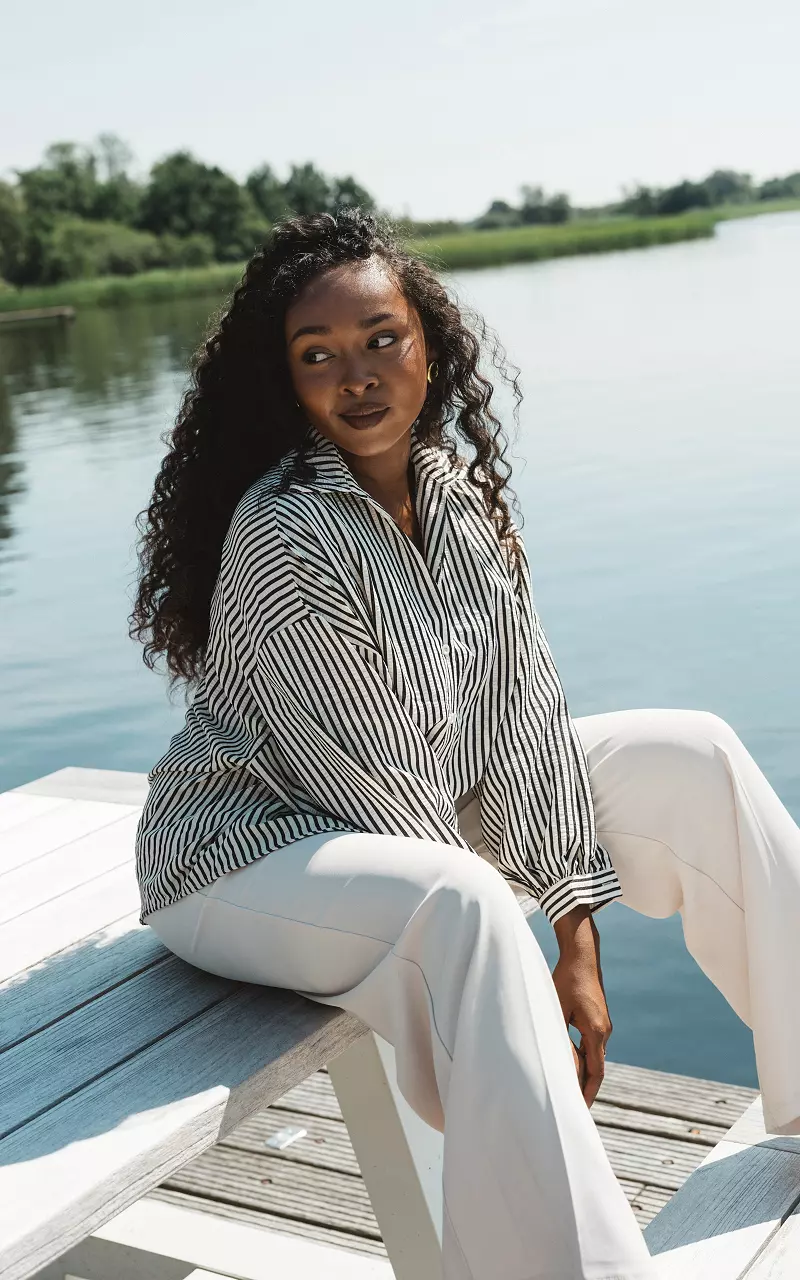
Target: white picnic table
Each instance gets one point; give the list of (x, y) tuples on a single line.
[(119, 1064)]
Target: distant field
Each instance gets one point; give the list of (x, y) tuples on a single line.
[(117, 291), (468, 249), (459, 251), (727, 211)]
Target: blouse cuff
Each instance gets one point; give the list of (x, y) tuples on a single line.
[(595, 889)]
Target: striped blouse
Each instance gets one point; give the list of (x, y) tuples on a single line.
[(353, 683)]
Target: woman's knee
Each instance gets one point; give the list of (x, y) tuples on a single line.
[(657, 740), (472, 888), (665, 775)]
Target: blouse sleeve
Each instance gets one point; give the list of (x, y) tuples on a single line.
[(537, 811)]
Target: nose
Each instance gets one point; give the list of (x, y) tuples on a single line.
[(357, 377)]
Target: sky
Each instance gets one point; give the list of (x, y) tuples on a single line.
[(436, 106)]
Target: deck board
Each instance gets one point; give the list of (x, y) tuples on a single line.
[(274, 1222), (655, 1138)]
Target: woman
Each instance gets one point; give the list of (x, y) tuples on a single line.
[(379, 747)]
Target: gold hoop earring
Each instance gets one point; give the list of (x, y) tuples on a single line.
[(433, 365)]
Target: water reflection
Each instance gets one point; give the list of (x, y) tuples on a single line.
[(110, 374), (10, 469), (105, 352)]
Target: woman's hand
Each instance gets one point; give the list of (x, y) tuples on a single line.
[(579, 984)]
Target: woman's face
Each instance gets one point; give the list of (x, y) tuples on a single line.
[(357, 356)]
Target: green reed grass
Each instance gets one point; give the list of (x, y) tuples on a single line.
[(115, 291), (460, 251), (529, 244)]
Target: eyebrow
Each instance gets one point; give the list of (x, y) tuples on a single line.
[(368, 323)]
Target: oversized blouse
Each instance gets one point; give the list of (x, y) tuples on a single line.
[(353, 683)]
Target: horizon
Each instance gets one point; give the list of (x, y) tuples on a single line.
[(590, 103)]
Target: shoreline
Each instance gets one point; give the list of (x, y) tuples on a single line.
[(464, 250)]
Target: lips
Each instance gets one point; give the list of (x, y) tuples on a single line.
[(365, 416)]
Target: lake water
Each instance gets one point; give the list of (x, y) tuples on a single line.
[(659, 490)]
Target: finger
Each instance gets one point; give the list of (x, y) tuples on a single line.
[(594, 1057), (578, 1062), (582, 1073)]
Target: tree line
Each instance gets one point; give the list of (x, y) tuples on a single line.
[(80, 213), (723, 186)]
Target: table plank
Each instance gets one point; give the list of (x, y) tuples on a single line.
[(725, 1212), (781, 1258), (84, 1160), (57, 828), (53, 874), (60, 983), (749, 1130), (315, 1096), (48, 929), (117, 786), (45, 1068), (17, 808)]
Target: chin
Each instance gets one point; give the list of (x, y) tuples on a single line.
[(371, 441)]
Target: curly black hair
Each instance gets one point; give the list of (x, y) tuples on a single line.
[(239, 416)]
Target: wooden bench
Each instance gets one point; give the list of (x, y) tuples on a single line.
[(119, 1064), (738, 1214)]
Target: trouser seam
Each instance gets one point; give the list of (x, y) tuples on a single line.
[(308, 924), (350, 933), (446, 1208), (635, 835), (418, 966)]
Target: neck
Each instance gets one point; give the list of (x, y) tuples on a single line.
[(385, 476)]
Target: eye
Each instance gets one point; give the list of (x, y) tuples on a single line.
[(384, 339), (310, 357)]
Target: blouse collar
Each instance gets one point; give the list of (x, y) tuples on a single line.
[(429, 462)]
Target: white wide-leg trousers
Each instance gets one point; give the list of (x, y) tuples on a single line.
[(429, 947)]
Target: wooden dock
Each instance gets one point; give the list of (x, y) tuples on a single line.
[(655, 1127), (37, 313)]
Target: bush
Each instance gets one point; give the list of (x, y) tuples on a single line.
[(196, 250), (780, 188), (679, 199), (499, 214), (77, 249), (12, 234)]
